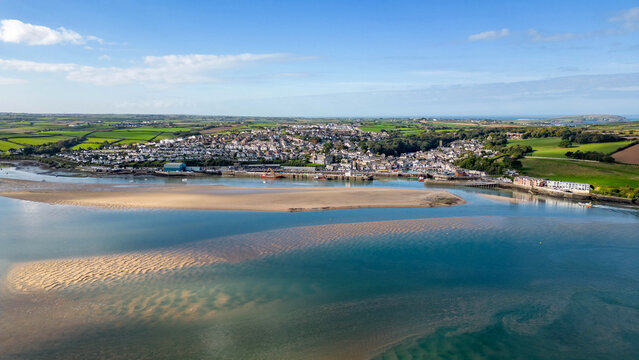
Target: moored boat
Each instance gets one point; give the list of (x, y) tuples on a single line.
[(271, 175)]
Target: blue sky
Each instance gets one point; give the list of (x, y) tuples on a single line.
[(328, 58)]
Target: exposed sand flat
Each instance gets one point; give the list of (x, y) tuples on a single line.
[(208, 197), (60, 274)]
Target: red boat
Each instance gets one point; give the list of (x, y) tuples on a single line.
[(271, 175)]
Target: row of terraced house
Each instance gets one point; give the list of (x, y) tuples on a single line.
[(565, 186)]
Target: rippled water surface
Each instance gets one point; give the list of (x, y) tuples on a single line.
[(506, 277)]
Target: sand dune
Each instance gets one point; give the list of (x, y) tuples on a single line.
[(59, 274), (207, 197)]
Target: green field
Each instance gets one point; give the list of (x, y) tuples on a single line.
[(128, 134), (161, 129), (126, 142), (595, 173), (71, 133), (388, 128), (98, 140), (84, 146), (548, 147), (38, 140), (5, 145)]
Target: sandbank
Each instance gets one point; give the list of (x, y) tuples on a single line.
[(218, 197)]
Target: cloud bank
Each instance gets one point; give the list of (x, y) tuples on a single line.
[(156, 70), (18, 32)]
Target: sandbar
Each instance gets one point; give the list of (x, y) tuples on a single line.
[(219, 197), (61, 274)]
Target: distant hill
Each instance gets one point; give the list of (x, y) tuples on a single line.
[(577, 119), (584, 118)]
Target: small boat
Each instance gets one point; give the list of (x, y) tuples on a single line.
[(585, 204), (421, 179), (320, 178), (185, 180), (271, 175)]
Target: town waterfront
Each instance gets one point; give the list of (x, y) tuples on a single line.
[(501, 276)]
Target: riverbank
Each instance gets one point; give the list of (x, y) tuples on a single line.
[(218, 197), (572, 196)]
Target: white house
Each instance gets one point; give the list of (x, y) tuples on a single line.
[(565, 185)]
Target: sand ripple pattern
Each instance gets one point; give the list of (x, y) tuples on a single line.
[(60, 274)]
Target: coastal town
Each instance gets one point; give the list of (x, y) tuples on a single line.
[(318, 151)]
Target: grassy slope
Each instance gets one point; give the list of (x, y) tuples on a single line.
[(85, 146), (4, 146), (594, 173), (548, 147), (39, 140)]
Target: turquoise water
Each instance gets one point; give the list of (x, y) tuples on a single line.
[(489, 279)]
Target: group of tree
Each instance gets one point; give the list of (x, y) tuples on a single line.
[(516, 151), (590, 155), (592, 137), (398, 145), (489, 165), (570, 135)]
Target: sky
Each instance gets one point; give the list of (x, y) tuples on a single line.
[(321, 58)]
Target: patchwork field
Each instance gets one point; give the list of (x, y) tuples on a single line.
[(15, 135), (549, 147)]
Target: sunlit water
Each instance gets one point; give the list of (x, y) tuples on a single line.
[(536, 279)]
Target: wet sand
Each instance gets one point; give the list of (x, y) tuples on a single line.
[(501, 198), (61, 274), (217, 197)]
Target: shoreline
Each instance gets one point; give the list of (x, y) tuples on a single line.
[(220, 197), (572, 197)]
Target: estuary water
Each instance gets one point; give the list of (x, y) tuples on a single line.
[(503, 276)]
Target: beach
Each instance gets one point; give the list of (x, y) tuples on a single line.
[(217, 197)]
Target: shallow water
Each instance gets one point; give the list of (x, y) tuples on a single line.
[(540, 278)]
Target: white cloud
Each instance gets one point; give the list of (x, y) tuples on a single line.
[(15, 31), (206, 61), (628, 18), (170, 69), (157, 70), (537, 36), (33, 66), (489, 35)]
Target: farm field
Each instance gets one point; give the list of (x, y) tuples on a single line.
[(549, 147), (5, 145), (86, 146), (628, 156), (35, 133), (388, 128), (71, 133), (128, 134), (595, 173), (38, 140)]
